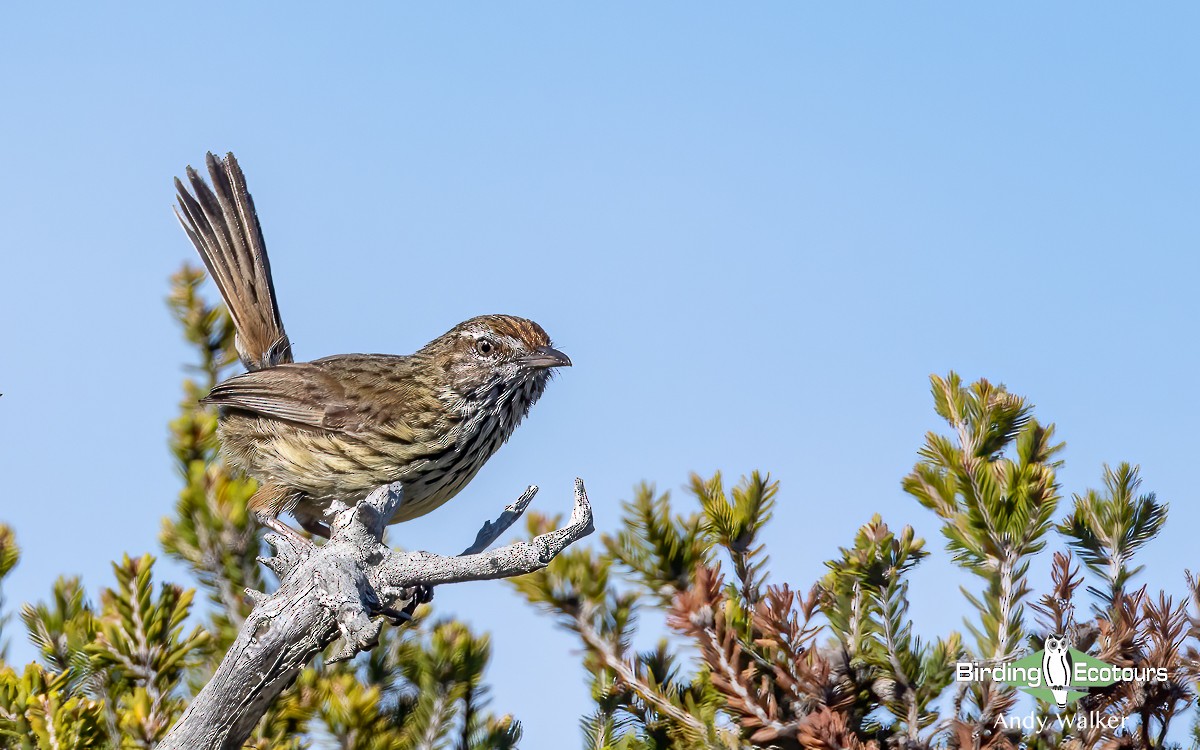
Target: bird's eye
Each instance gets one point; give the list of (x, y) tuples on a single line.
[(485, 347)]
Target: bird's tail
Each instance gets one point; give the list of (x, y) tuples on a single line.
[(221, 222), (1060, 697)]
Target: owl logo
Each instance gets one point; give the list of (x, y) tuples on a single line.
[(1056, 667)]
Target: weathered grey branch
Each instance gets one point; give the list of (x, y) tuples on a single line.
[(492, 530), (344, 587)]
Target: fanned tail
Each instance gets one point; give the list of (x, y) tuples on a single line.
[(222, 224)]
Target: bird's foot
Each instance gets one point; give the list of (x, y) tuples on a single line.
[(416, 596), (313, 526), (422, 593)]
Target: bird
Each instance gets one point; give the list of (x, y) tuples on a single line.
[(1056, 667), (336, 428)]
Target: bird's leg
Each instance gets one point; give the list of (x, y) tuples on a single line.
[(314, 527), (267, 502), (281, 528), (416, 596)]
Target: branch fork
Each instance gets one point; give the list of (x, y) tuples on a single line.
[(343, 588)]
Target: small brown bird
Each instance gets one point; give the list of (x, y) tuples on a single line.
[(341, 426)]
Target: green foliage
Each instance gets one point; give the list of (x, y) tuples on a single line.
[(993, 485), (62, 630), (733, 522), (415, 692), (1107, 530), (864, 598), (111, 676), (854, 592), (10, 553), (39, 710), (444, 674), (659, 548), (141, 651), (647, 700), (747, 669)]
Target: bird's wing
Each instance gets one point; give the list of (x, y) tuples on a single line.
[(301, 393)]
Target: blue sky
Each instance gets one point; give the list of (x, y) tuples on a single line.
[(756, 230)]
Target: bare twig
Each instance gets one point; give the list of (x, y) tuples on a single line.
[(342, 588), (492, 530)]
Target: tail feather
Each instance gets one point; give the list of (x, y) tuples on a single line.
[(222, 224)]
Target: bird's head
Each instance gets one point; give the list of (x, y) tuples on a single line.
[(493, 354)]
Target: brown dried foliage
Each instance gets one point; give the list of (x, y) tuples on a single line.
[(782, 690)]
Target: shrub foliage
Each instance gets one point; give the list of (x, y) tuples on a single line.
[(835, 663), (747, 660)]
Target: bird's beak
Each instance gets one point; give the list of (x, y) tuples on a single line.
[(545, 356)]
